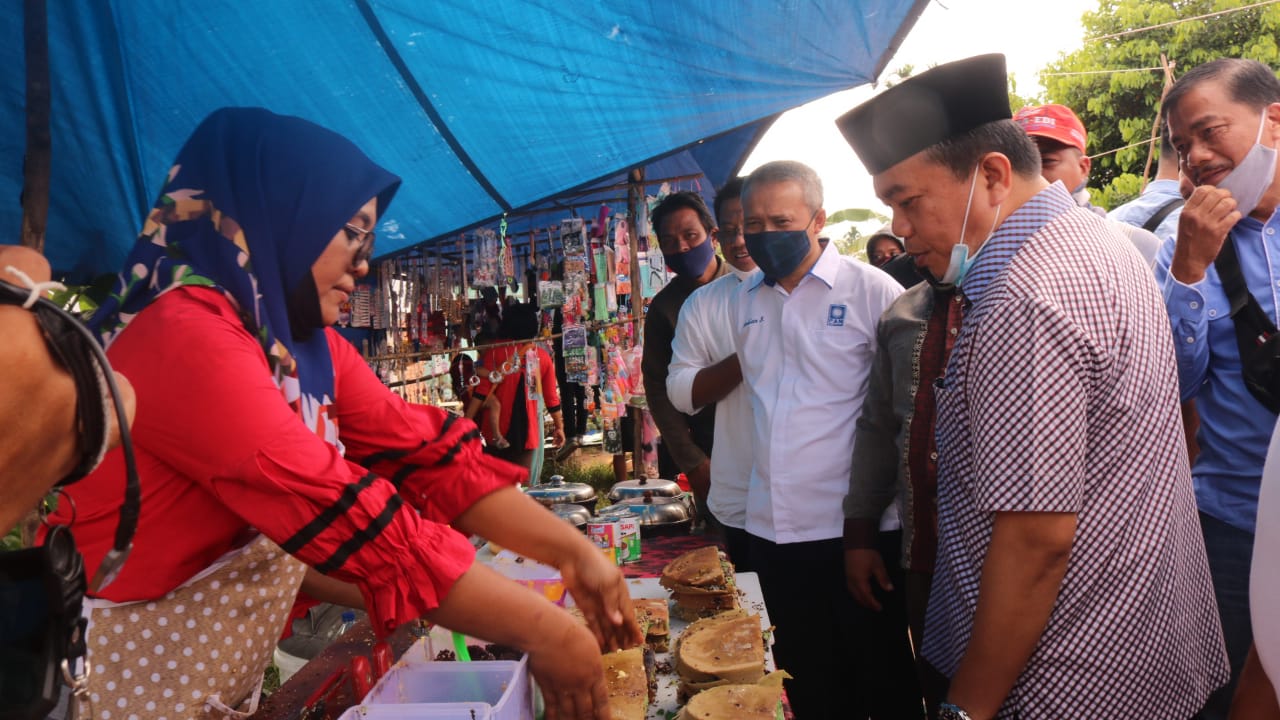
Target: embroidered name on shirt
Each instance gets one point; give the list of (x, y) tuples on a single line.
[(752, 321), (835, 315)]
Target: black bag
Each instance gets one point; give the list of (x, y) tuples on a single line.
[(1256, 335)]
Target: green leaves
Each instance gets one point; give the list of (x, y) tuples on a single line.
[(1118, 108)]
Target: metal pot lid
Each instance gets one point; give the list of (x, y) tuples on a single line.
[(575, 514), (652, 510), (637, 488), (556, 490)]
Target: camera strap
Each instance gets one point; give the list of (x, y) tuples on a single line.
[(1255, 332)]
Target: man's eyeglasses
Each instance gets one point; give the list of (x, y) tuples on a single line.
[(364, 253)]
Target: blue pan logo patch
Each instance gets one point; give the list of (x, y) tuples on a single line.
[(835, 315)]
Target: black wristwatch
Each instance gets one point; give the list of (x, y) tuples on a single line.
[(948, 711)]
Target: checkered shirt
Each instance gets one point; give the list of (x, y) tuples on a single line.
[(1062, 396)]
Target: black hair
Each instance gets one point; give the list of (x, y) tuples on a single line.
[(1247, 82), (728, 191), (678, 201), (960, 153), (877, 238), (520, 322)]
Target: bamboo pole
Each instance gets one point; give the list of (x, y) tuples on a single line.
[(1155, 125)]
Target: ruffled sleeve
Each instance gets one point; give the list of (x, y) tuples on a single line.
[(435, 459), (211, 416)]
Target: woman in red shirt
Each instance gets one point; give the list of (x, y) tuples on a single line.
[(522, 380), (262, 436)]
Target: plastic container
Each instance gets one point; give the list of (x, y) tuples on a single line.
[(542, 579), (502, 685), (454, 711)]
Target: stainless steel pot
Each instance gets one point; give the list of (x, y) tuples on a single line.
[(556, 491), (657, 487), (575, 515), (658, 515)]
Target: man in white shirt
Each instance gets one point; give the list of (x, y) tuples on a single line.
[(704, 338), (805, 335)]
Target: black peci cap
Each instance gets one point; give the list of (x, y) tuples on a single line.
[(925, 109)]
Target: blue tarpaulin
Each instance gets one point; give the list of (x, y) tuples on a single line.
[(482, 107)]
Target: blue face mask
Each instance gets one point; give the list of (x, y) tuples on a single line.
[(960, 260), (693, 262), (779, 252)]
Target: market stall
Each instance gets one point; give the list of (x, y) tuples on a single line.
[(340, 676)]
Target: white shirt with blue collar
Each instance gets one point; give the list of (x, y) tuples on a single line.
[(805, 357)]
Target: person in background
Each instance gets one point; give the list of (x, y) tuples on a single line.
[(1067, 527), (507, 378), (1159, 206), (685, 230), (883, 246), (270, 454), (42, 440), (804, 337), (1223, 118), (1061, 139), (704, 372)]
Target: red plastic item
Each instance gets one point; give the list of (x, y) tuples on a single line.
[(683, 481)]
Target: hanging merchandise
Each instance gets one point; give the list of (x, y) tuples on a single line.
[(574, 344), (507, 261), (653, 273), (361, 306), (573, 241), (550, 294), (487, 270), (621, 255)]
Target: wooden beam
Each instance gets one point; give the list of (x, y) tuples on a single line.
[(38, 159)]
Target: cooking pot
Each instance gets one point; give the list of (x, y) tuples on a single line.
[(575, 515), (556, 491), (658, 515), (628, 489)]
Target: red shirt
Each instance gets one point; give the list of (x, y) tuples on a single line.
[(220, 453), (511, 391)]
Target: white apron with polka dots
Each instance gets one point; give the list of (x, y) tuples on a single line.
[(201, 650)]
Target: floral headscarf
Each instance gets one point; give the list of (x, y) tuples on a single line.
[(251, 202)]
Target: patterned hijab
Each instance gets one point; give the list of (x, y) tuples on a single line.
[(252, 201)]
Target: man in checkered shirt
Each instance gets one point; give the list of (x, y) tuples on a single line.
[(1071, 578)]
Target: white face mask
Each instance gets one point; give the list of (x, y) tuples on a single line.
[(1252, 175), (960, 260)]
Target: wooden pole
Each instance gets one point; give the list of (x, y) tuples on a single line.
[(635, 201), (38, 158), (1155, 125)]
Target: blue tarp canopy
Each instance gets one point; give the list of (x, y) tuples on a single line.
[(482, 107)]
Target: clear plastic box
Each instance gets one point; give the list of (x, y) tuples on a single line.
[(450, 711), (502, 685)]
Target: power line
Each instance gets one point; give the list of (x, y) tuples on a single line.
[(1126, 147), (1182, 20), (1103, 72)]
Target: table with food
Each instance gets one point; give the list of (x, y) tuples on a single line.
[(707, 634)]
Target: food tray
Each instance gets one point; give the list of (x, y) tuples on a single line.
[(750, 598)]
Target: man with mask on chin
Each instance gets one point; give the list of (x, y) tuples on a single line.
[(685, 230), (805, 335), (1070, 578), (1061, 139), (1223, 118)]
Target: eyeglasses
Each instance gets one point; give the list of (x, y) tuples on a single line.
[(364, 253)]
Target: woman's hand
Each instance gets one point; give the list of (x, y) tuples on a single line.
[(509, 518), (600, 592), (569, 672)]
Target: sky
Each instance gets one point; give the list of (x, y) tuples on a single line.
[(1030, 34)]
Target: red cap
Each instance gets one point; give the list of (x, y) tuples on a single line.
[(1056, 122)]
